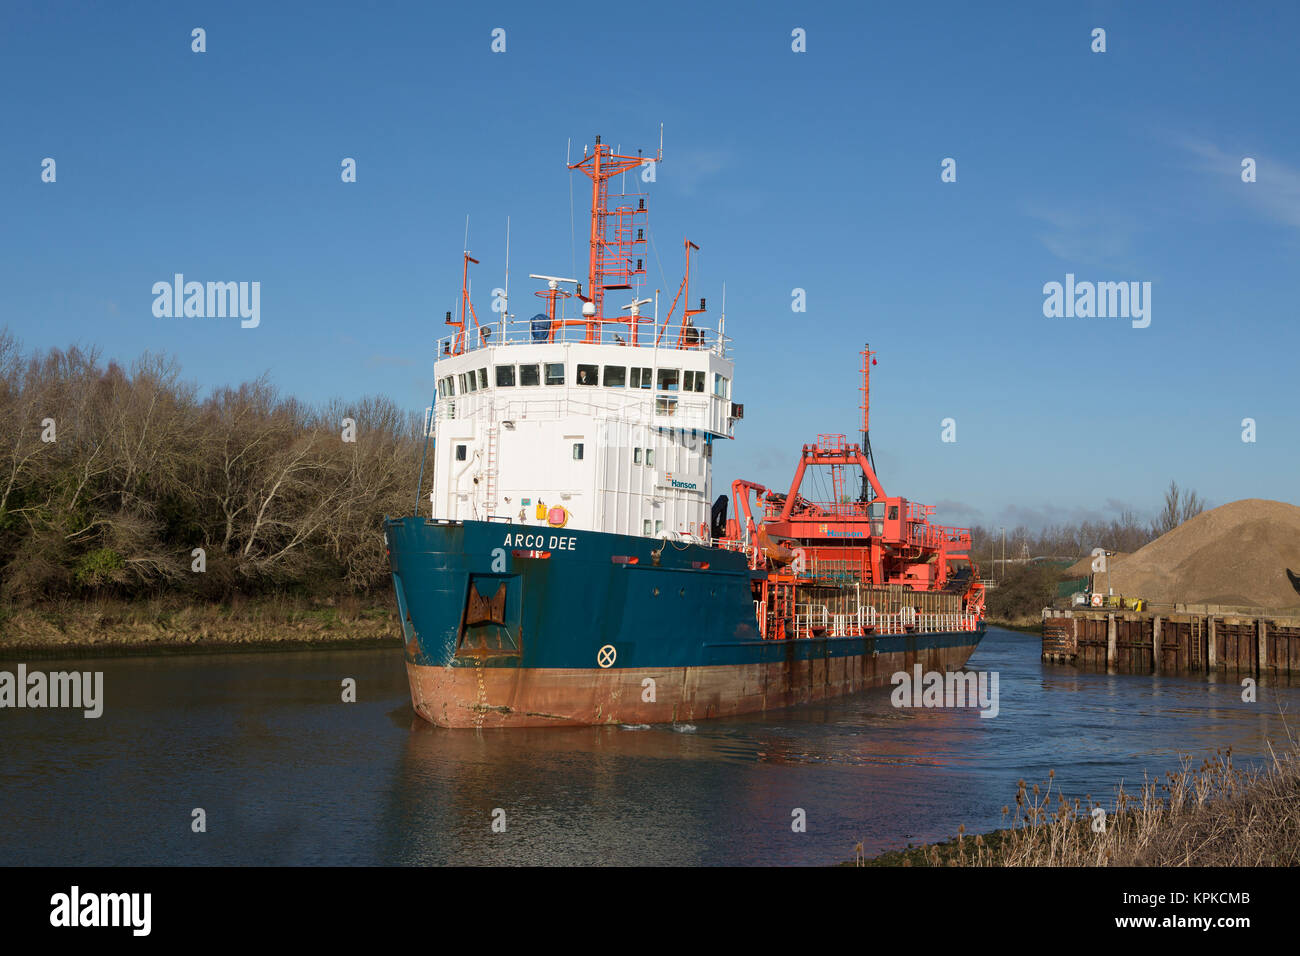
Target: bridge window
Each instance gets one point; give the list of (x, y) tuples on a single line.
[(692, 381), (472, 380), (554, 373), (505, 376), (668, 378), (650, 457), (615, 376), (641, 378), (482, 378), (577, 451), (587, 375), (720, 385), (451, 385), (528, 375)]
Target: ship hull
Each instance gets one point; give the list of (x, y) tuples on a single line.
[(486, 696), (515, 627)]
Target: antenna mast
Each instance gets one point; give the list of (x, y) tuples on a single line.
[(505, 299), (460, 345), (868, 360), (616, 235), (722, 319)]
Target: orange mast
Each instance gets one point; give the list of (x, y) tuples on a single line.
[(612, 262), (868, 360), (460, 346)]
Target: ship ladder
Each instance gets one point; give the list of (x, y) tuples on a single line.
[(491, 469)]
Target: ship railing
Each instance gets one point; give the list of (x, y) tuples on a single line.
[(686, 410), (922, 533), (809, 616), (933, 536), (941, 622), (885, 624), (908, 620), (817, 620), (614, 330)]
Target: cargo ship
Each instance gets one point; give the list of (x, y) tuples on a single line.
[(574, 567)]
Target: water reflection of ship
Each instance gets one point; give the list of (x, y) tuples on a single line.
[(570, 796), (609, 795)]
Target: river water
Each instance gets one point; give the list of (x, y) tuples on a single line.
[(285, 772)]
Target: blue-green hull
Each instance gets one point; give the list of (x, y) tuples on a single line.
[(480, 596)]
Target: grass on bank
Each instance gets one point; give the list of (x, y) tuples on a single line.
[(1214, 814), (70, 624)]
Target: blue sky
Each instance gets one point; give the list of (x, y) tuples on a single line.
[(816, 170)]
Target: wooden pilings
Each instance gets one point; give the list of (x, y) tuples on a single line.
[(1181, 639)]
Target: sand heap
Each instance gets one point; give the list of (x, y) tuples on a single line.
[(1235, 554)]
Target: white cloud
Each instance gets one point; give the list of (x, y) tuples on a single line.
[(1101, 237), (1276, 191)]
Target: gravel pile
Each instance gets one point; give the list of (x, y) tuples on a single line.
[(1237, 553)]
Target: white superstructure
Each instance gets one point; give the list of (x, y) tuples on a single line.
[(601, 422), (591, 432)]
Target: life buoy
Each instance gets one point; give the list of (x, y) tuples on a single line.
[(557, 517)]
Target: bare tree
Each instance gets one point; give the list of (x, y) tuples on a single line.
[(1192, 505), (142, 472), (1179, 506)]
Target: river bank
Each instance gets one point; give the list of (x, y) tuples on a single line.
[(1211, 814), (168, 626)]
